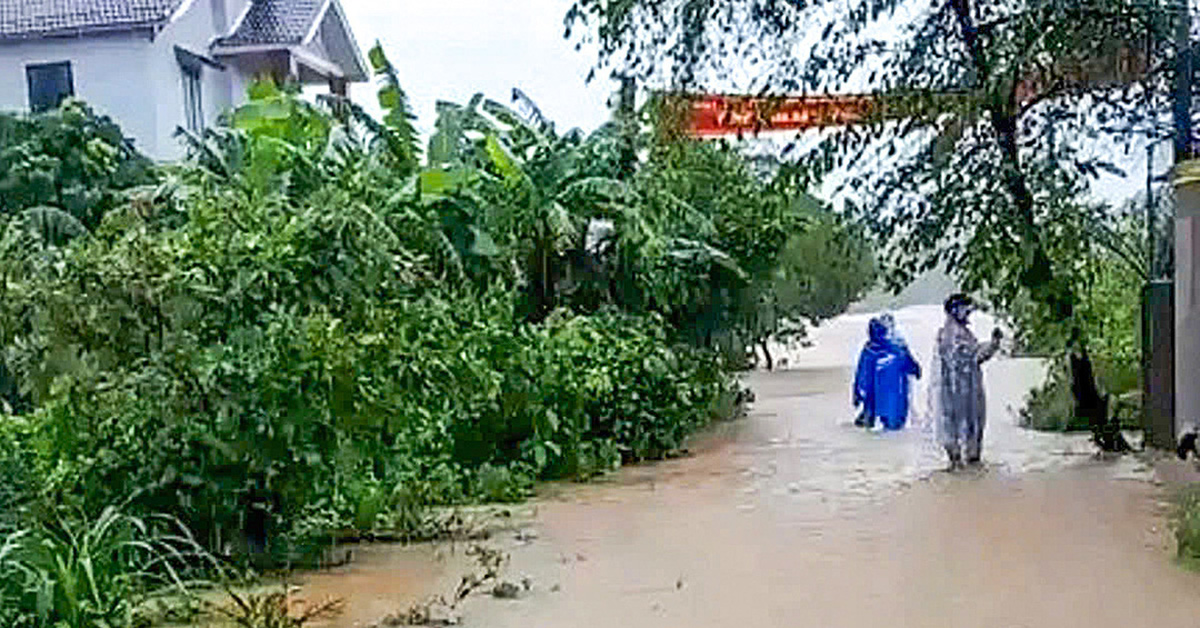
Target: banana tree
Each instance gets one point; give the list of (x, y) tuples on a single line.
[(539, 197)]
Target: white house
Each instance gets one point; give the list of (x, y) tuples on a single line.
[(157, 65)]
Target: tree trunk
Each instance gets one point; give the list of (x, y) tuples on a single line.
[(1003, 111), (1037, 275)]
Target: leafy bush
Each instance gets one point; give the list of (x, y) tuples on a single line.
[(298, 333), (1109, 317), (613, 389), (92, 572), (1051, 406), (71, 158), (1185, 522), (248, 377)]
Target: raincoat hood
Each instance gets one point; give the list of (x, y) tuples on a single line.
[(877, 331)]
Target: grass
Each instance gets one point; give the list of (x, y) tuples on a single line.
[(1185, 523), (96, 572)]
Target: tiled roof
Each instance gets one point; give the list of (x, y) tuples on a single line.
[(275, 22), (35, 18)]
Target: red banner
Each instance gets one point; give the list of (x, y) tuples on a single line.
[(712, 116), (717, 115)]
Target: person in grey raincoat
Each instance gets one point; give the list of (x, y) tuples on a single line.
[(957, 394)]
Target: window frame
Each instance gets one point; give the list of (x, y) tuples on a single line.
[(193, 97), (32, 68)]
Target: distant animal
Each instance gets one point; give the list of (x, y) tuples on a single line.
[(751, 358), (1188, 444), (259, 505), (1090, 404)]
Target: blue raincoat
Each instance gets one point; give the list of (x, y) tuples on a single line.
[(881, 383)]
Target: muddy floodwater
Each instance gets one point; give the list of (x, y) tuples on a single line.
[(793, 517)]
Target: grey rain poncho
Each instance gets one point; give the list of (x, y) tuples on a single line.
[(956, 394)]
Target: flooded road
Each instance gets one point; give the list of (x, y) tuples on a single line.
[(793, 517)]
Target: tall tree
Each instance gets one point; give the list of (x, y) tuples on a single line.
[(1008, 108)]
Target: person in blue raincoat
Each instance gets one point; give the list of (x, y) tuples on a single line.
[(864, 379), (881, 381), (892, 378)]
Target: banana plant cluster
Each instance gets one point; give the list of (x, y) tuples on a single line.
[(313, 325)]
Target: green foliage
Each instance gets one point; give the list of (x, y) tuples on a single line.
[(92, 573), (1185, 523), (300, 320), (1109, 316), (987, 138), (72, 159), (1051, 406), (793, 261), (398, 133), (283, 325)]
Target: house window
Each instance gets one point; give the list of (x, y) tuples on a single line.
[(192, 101), (49, 85)]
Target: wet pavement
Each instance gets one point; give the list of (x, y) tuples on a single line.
[(794, 517)]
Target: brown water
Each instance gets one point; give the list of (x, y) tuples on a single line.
[(792, 517)]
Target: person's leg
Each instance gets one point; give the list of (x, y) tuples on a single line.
[(974, 440), (893, 422), (953, 430), (955, 455)]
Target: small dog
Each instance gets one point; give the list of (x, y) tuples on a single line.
[(1188, 444)]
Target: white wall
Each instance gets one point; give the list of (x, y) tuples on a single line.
[(132, 78), (111, 73), (234, 10), (192, 30), (1187, 308)]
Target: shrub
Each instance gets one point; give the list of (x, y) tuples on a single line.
[(1051, 406), (247, 379), (286, 340), (1185, 522), (85, 573), (71, 158)]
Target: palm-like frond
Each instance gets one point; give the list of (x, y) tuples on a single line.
[(398, 117), (532, 112), (53, 226)]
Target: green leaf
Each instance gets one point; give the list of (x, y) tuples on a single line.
[(483, 244), (389, 97), (503, 159), (379, 60), (440, 183), (399, 134)]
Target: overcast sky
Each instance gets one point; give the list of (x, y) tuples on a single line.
[(451, 49)]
